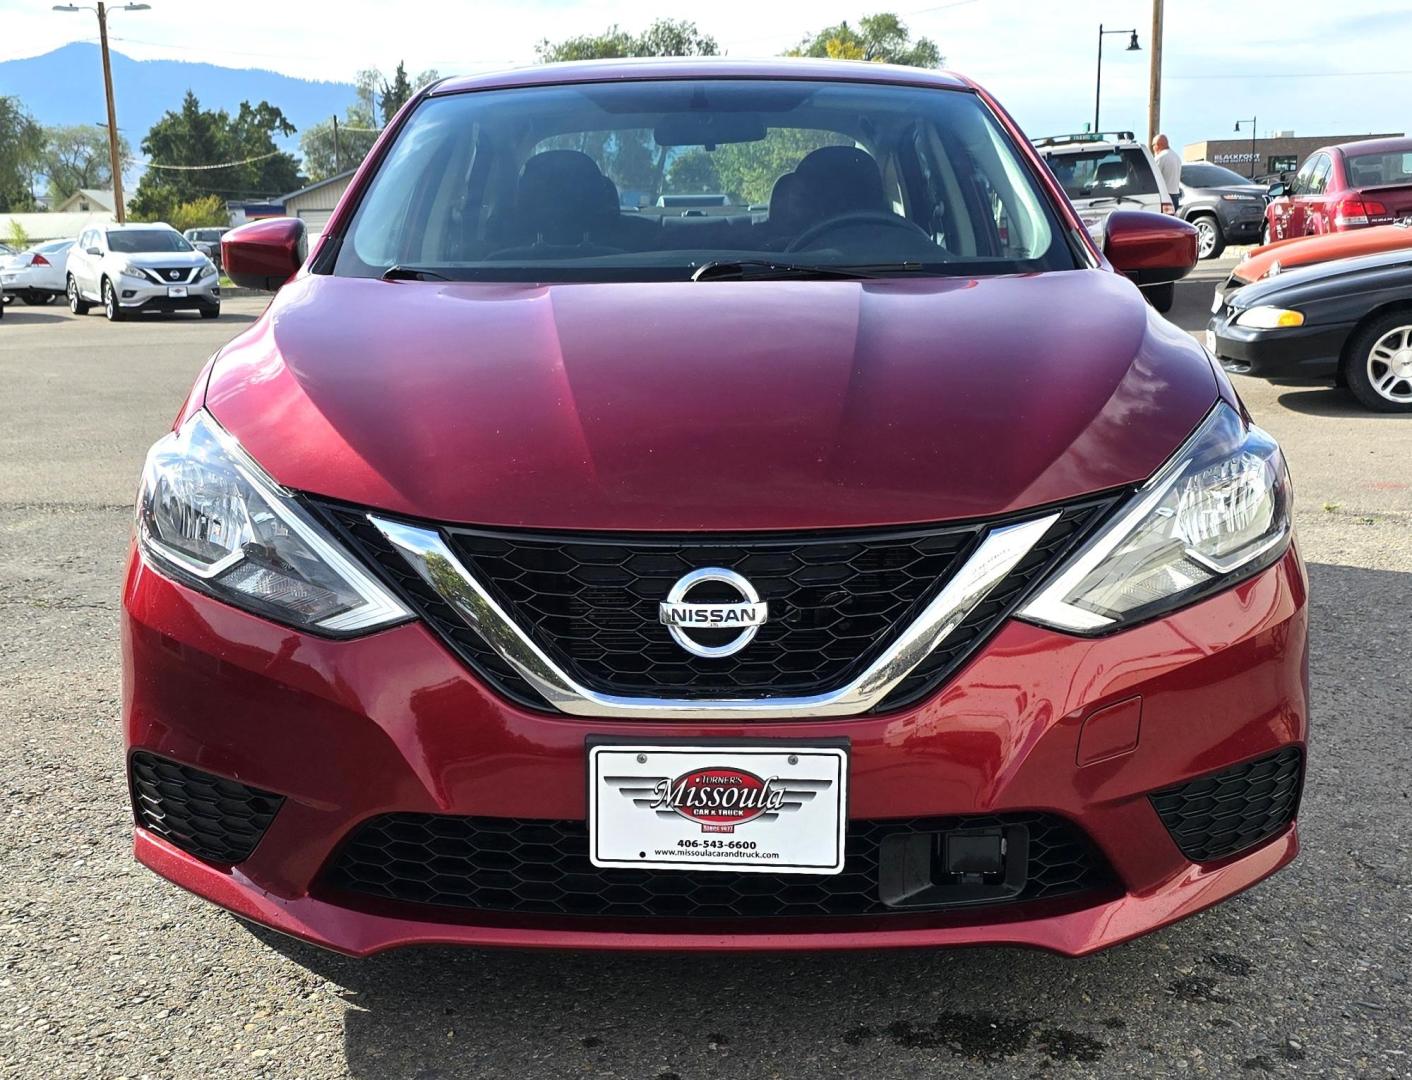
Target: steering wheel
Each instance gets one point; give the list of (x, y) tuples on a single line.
[(886, 218)]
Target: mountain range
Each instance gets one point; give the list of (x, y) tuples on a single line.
[(66, 87)]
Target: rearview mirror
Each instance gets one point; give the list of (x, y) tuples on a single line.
[(265, 254), (709, 129), (1149, 248)]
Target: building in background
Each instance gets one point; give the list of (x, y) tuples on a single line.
[(1281, 152), (87, 201), (315, 203), (242, 212)]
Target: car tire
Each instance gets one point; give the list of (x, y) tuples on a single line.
[(1161, 297), (35, 298), (77, 304), (112, 310), (211, 312), (1210, 241), (1378, 363)]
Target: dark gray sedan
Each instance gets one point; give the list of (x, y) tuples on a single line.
[(1225, 207)]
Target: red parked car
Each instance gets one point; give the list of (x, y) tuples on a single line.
[(551, 565), (1349, 186)]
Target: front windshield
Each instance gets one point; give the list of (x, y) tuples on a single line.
[(652, 180), (138, 241), (1105, 174)]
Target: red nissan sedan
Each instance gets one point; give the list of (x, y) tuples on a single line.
[(713, 505), (1349, 186)]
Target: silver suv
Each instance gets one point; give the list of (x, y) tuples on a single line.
[(130, 269)]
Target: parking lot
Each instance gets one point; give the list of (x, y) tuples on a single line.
[(107, 971)]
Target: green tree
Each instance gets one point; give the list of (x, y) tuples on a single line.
[(328, 151), (395, 93), (76, 156), (21, 145), (692, 172), (210, 210), (665, 37), (182, 145), (882, 38), (16, 236), (749, 170)]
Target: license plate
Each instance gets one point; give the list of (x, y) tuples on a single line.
[(761, 809), (176, 292)]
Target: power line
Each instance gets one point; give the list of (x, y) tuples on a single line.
[(206, 168), (1300, 75)]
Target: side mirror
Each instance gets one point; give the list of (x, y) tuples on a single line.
[(1149, 248), (92, 251), (265, 254), (1278, 190)]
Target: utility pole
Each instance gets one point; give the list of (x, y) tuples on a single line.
[(1154, 79), (117, 166), (114, 161), (337, 167)]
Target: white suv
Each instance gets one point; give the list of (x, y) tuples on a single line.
[(135, 268), (1106, 171)]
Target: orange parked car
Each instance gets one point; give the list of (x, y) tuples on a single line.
[(1269, 260)]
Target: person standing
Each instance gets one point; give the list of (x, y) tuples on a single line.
[(1169, 167)]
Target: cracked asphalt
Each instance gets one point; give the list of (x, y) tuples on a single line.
[(107, 971)]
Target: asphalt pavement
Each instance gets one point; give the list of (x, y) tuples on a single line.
[(107, 971)]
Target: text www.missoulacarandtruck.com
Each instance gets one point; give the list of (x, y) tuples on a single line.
[(759, 856)]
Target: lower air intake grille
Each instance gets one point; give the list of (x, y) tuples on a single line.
[(1230, 811), (542, 867), (213, 818)]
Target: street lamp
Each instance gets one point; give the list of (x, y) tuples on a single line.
[(115, 164), (1133, 46), (1251, 122)]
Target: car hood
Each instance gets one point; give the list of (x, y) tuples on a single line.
[(163, 258), (1353, 269), (712, 405)]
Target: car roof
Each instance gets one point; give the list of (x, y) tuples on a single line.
[(1375, 146), (114, 227), (582, 71)]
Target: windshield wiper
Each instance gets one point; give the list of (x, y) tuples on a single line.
[(411, 273), (1115, 198), (757, 269)]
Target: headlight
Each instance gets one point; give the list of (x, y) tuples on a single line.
[(1217, 512), (1269, 318), (128, 269), (208, 516)]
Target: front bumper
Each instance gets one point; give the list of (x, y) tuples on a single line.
[(1243, 229), (139, 294), (346, 731), (1302, 352)]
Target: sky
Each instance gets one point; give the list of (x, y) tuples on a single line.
[(1304, 65)]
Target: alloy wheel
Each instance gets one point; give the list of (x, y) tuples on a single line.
[(1205, 237), (1390, 365), (73, 296)]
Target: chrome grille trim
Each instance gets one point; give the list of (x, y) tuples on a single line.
[(428, 554)]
